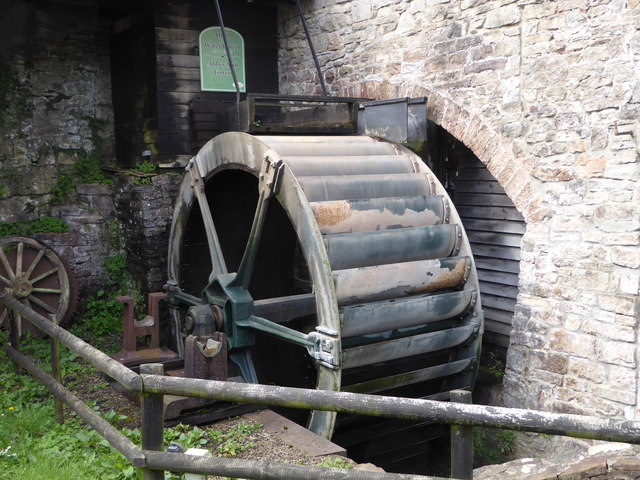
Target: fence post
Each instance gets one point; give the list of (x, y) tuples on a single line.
[(14, 336), (152, 409), (461, 442), (56, 372)]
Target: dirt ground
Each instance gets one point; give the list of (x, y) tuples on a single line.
[(262, 445)]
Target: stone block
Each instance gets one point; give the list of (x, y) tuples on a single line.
[(587, 369), (572, 343), (606, 330), (628, 282), (587, 468), (616, 353), (622, 304), (502, 16)]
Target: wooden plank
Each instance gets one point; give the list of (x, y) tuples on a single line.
[(498, 290), (500, 303), (497, 264), (184, 35), (494, 213), (470, 161), (497, 339), (466, 186), (197, 117), (180, 73), (496, 315), (181, 111), (174, 135), (200, 138), (497, 327), (503, 278), (206, 126), (488, 225), (173, 148), (169, 84), (495, 238), (494, 251), (290, 433), (474, 174), (179, 98), (483, 199), (167, 122), (189, 61)]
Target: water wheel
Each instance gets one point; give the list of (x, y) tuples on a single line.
[(37, 277), (360, 250)]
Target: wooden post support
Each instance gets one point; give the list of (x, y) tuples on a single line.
[(152, 406), (461, 442), (14, 336), (56, 372)]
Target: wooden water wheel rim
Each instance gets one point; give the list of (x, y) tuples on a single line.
[(317, 173)]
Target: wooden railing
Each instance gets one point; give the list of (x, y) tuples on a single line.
[(152, 385)]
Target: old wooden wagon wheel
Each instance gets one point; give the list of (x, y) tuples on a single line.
[(37, 277), (359, 249)]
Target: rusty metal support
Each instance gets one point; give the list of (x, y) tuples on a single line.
[(56, 372), (461, 442), (149, 327), (152, 409)]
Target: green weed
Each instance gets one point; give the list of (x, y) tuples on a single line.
[(491, 446), (336, 463), (43, 225), (235, 440)]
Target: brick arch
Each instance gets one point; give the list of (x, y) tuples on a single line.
[(512, 170)]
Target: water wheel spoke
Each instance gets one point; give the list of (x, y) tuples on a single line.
[(268, 184), (45, 275), (5, 263), (33, 265), (47, 290), (197, 182), (42, 304), (285, 309)]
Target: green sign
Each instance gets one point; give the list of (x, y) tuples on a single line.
[(215, 72)]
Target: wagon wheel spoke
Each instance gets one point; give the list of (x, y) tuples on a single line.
[(42, 304), (19, 255), (45, 275), (3, 316), (33, 265), (6, 264), (47, 290), (5, 280)]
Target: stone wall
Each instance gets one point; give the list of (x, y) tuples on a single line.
[(145, 213), (547, 95), (55, 100), (600, 462), (107, 220)]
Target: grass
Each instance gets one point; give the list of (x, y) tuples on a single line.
[(33, 446)]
